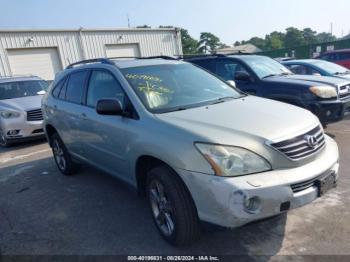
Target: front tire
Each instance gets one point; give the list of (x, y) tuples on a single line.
[(172, 207), (62, 157), (3, 140)]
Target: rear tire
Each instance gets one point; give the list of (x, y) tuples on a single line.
[(172, 207), (62, 157)]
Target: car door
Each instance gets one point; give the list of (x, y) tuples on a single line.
[(229, 69), (105, 138), (69, 108)]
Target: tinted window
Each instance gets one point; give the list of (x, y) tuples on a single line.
[(103, 85), (207, 64), (343, 56), (57, 89), (298, 69), (228, 68), (75, 86)]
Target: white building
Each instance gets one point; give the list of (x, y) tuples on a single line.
[(247, 48), (45, 52)]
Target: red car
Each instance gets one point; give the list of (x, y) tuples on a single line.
[(340, 57)]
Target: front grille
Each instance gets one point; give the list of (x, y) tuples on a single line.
[(308, 183), (297, 148), (34, 115), (344, 92)]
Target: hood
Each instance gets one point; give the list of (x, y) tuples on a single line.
[(347, 76), (22, 103), (334, 81), (247, 116)]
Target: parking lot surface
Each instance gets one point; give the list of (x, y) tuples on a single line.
[(43, 212)]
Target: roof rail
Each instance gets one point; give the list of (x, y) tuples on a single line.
[(144, 57), (200, 55), (109, 62), (89, 61), (239, 53)]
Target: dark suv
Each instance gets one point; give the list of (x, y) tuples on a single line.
[(326, 97)]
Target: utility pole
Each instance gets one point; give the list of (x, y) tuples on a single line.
[(127, 15), (331, 28)]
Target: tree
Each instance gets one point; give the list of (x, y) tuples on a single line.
[(325, 37), (294, 37), (189, 45), (208, 43), (309, 36), (258, 42), (237, 43), (275, 40)]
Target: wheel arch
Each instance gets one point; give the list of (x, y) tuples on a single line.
[(143, 165), (49, 131)]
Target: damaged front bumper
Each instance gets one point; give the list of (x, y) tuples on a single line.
[(235, 201)]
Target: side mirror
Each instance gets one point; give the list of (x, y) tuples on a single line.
[(109, 107), (231, 83), (242, 76)]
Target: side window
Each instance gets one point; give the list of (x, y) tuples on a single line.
[(57, 89), (206, 64), (102, 84), (227, 69), (75, 86), (299, 69), (312, 71), (343, 56)]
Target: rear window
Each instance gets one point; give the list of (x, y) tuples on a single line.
[(75, 87), (17, 89)]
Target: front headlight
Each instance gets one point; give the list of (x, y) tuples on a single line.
[(9, 114), (324, 91), (232, 161)]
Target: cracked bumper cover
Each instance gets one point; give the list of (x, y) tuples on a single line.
[(219, 200)]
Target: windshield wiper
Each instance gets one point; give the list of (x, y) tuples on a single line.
[(281, 74), (270, 75), (222, 99), (341, 73)]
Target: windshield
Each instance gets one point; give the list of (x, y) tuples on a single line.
[(165, 88), (331, 67), (265, 66), (9, 90)]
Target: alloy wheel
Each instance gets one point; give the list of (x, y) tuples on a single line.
[(59, 155), (162, 208)]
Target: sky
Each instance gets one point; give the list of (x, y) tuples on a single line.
[(229, 20)]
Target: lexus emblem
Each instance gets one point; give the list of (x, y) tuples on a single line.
[(311, 141)]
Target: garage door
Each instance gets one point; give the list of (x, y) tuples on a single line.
[(43, 62), (122, 50)]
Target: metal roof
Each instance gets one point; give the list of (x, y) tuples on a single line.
[(28, 30)]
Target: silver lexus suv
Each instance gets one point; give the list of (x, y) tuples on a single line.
[(198, 148), (20, 108)]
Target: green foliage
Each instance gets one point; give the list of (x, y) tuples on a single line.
[(208, 43), (189, 44), (325, 37), (292, 37)]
